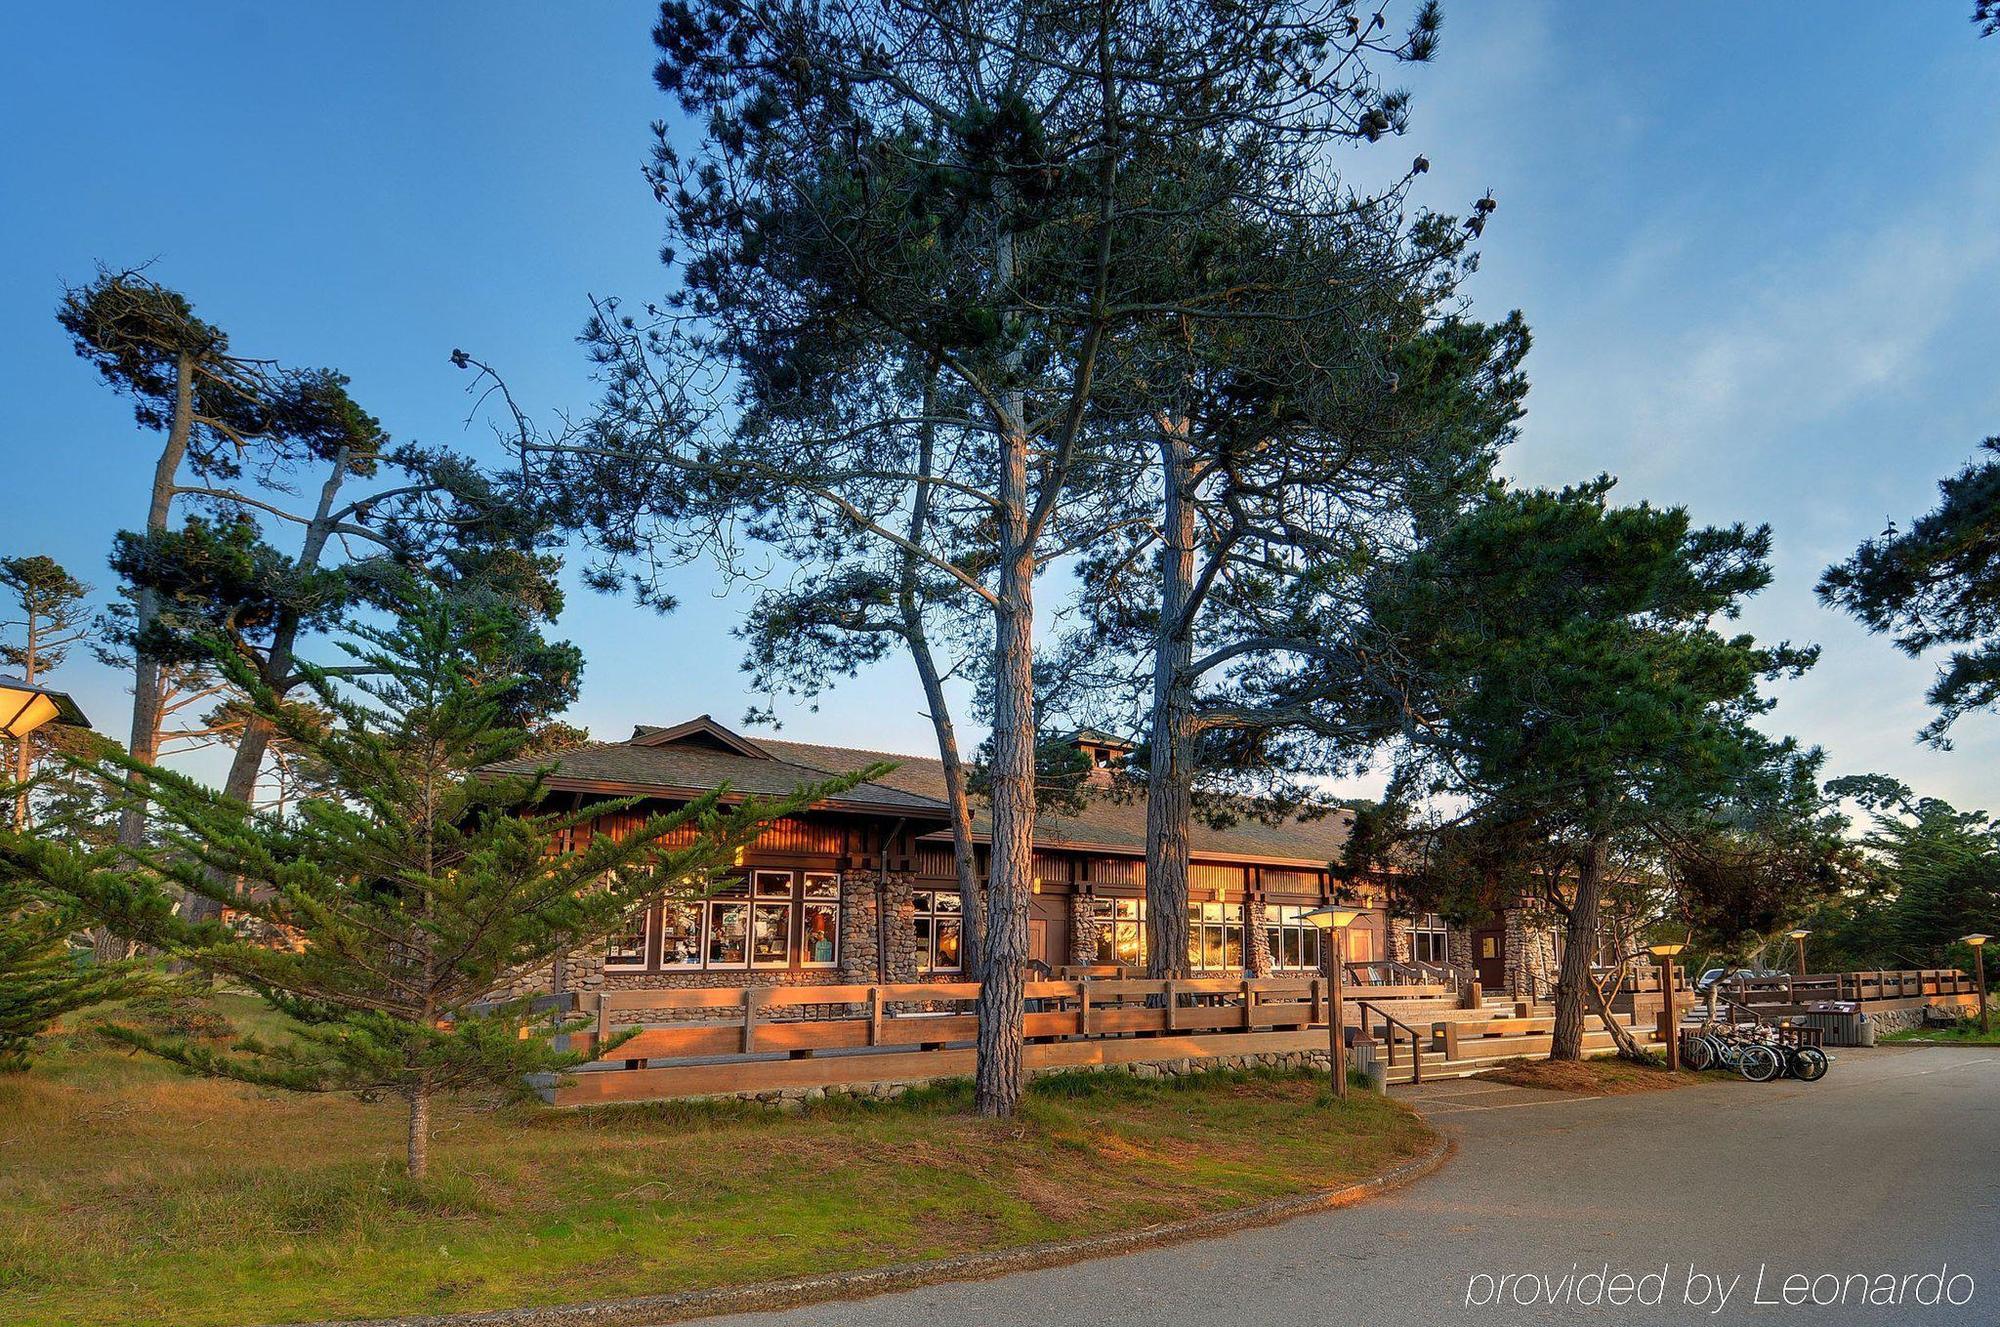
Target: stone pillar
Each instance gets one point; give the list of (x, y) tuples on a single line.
[(1083, 932), (1401, 942), (1256, 941), (1458, 946), (860, 943), (1532, 965)]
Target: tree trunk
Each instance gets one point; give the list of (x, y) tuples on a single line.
[(998, 1080), (1170, 773), (148, 693), (30, 667), (972, 927), (1579, 935), (246, 767), (418, 1162)]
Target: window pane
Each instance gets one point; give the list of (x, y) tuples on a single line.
[(943, 901), (627, 949), (822, 884), (1232, 947), (1131, 943), (730, 887), (925, 957), (1194, 947), (728, 932), (947, 944), (1211, 947), (819, 942), (680, 935), (1294, 954), (773, 935), (774, 884)]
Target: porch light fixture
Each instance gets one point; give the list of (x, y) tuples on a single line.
[(25, 707), (1664, 954), (1978, 942), (1335, 921)]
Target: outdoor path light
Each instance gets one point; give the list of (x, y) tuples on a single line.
[(1665, 954), (1797, 935), (25, 707), (1978, 943), (1335, 921)]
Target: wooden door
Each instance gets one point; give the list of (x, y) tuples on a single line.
[(1038, 940), (1489, 957)]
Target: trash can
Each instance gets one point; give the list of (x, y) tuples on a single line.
[(1841, 1022)]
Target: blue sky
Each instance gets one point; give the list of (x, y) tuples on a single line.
[(1756, 245)]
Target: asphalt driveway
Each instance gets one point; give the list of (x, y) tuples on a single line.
[(1881, 1183)]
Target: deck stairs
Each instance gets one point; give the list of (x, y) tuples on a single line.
[(1484, 1038)]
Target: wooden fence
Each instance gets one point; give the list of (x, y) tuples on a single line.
[(728, 1040)]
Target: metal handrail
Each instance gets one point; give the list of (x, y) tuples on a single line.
[(1389, 1025)]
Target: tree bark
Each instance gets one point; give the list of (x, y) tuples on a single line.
[(418, 1156), (1579, 935), (1170, 771), (998, 1079)]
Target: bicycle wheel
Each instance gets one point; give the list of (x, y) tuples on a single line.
[(1699, 1053), (1759, 1063), (1809, 1064)]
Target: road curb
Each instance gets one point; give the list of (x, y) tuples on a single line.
[(651, 1310)]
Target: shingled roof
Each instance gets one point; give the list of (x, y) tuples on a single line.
[(702, 754)]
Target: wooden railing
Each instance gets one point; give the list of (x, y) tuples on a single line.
[(1391, 1025), (1877, 984), (730, 1039)]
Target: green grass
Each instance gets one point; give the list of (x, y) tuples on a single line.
[(132, 1194), (1965, 1033)]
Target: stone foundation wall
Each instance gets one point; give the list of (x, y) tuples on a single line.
[(796, 1098)]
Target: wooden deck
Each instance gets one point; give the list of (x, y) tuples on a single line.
[(751, 1040)]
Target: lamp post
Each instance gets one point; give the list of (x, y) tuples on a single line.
[(1978, 943), (1665, 956), (1797, 935), (1335, 921), (25, 707)]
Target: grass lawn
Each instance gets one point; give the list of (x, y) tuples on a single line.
[(1608, 1077), (1965, 1033), (133, 1194)]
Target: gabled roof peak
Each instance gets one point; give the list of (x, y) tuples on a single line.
[(702, 730)]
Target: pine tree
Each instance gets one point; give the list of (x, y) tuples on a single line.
[(53, 617), (388, 916), (40, 978)]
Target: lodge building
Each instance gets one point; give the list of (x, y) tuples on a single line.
[(861, 889)]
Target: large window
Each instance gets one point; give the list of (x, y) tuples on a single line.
[(819, 920), (772, 919), (1215, 937), (1429, 941), (1294, 941), (939, 927), (626, 949), (1121, 930)]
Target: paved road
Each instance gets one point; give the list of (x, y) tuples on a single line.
[(1889, 1166)]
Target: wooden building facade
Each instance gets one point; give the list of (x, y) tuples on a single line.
[(861, 889)]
